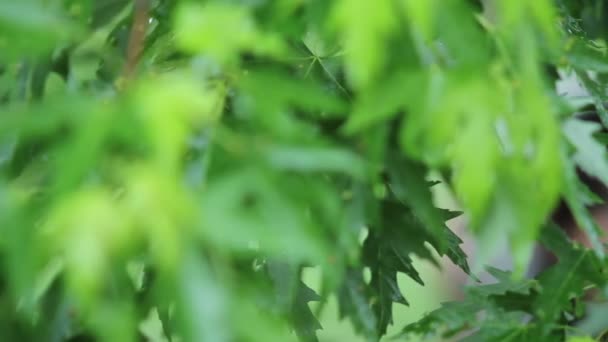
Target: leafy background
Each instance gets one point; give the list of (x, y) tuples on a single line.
[(207, 161)]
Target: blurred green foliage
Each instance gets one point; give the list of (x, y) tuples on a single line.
[(190, 160)]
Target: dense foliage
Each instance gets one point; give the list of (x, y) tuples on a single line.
[(195, 157)]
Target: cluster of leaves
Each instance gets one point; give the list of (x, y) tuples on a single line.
[(192, 158), (542, 309)]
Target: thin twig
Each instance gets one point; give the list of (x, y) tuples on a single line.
[(137, 37)]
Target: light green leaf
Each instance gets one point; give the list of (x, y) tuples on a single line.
[(222, 30), (590, 155), (365, 27), (581, 339)]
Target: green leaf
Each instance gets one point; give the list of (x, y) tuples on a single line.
[(245, 210), (315, 159), (505, 327), (30, 27), (288, 91), (385, 101), (387, 251), (384, 261), (365, 27), (578, 196), (451, 318), (505, 284), (590, 155), (584, 57), (407, 232), (576, 268), (422, 15), (599, 98), (407, 182), (222, 30), (293, 297), (581, 339), (203, 304), (305, 322), (354, 301), (495, 324), (104, 11)]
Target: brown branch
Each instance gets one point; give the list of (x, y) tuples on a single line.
[(137, 37)]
